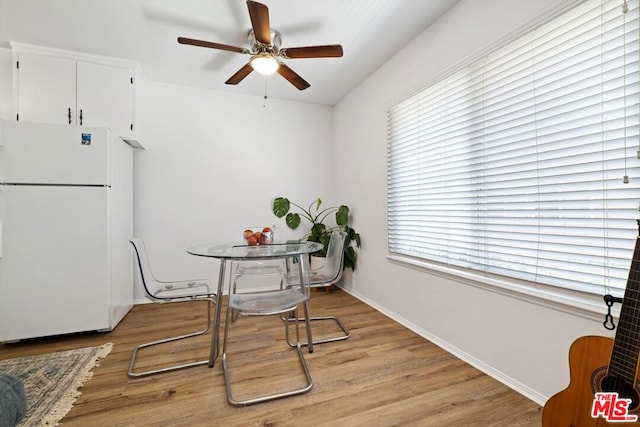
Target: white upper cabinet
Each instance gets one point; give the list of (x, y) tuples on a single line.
[(46, 89), (104, 97), (52, 88)]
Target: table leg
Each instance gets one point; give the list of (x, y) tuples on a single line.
[(215, 335), (304, 277)]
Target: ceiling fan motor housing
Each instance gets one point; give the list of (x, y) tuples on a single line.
[(273, 48)]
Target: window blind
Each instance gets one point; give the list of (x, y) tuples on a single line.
[(513, 165)]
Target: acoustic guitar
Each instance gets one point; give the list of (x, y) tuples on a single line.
[(603, 388)]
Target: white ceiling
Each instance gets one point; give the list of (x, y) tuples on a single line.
[(370, 32)]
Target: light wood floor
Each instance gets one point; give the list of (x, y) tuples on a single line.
[(384, 375)]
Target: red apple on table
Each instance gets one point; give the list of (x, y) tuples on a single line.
[(247, 233), (252, 240), (267, 236)]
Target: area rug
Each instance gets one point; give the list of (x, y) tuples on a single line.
[(52, 380)]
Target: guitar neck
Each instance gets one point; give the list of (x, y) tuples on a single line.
[(626, 347)]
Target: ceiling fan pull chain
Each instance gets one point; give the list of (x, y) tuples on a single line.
[(264, 101)]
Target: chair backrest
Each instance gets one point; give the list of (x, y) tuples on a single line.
[(159, 290), (146, 275), (332, 271)]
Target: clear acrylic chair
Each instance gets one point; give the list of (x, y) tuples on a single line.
[(166, 293), (273, 301), (325, 276), (275, 269), (263, 268)]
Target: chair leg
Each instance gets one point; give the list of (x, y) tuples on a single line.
[(227, 381), (345, 331), (132, 363), (307, 316)]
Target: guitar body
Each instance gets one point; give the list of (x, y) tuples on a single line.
[(588, 361)]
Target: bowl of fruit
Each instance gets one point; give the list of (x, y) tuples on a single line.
[(258, 236)]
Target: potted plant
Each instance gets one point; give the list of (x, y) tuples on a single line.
[(319, 231)]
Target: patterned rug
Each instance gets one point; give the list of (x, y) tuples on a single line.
[(52, 380)]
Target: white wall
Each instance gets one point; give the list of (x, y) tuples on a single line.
[(522, 343), (214, 163)]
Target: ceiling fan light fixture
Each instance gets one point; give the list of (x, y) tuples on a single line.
[(264, 63)]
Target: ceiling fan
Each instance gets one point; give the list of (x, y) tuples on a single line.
[(266, 53)]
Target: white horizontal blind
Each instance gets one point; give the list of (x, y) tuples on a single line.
[(514, 165)]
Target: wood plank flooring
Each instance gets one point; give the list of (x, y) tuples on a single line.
[(384, 375)]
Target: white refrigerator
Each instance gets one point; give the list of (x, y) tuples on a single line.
[(65, 223)]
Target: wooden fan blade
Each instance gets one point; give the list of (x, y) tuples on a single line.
[(212, 45), (293, 77), (327, 51), (259, 15), (240, 74)]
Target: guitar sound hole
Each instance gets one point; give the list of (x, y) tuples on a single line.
[(625, 390)]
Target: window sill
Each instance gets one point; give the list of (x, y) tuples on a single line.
[(585, 305)]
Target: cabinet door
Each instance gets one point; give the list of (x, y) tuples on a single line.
[(46, 88), (104, 97)]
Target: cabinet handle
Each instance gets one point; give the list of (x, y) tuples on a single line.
[(80, 117), (69, 115)]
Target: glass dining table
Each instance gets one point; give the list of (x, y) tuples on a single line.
[(242, 253)]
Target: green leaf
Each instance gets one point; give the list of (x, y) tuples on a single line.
[(342, 215), (350, 258), (318, 229), (292, 220), (318, 234), (318, 203), (281, 207), (324, 239), (357, 239)]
